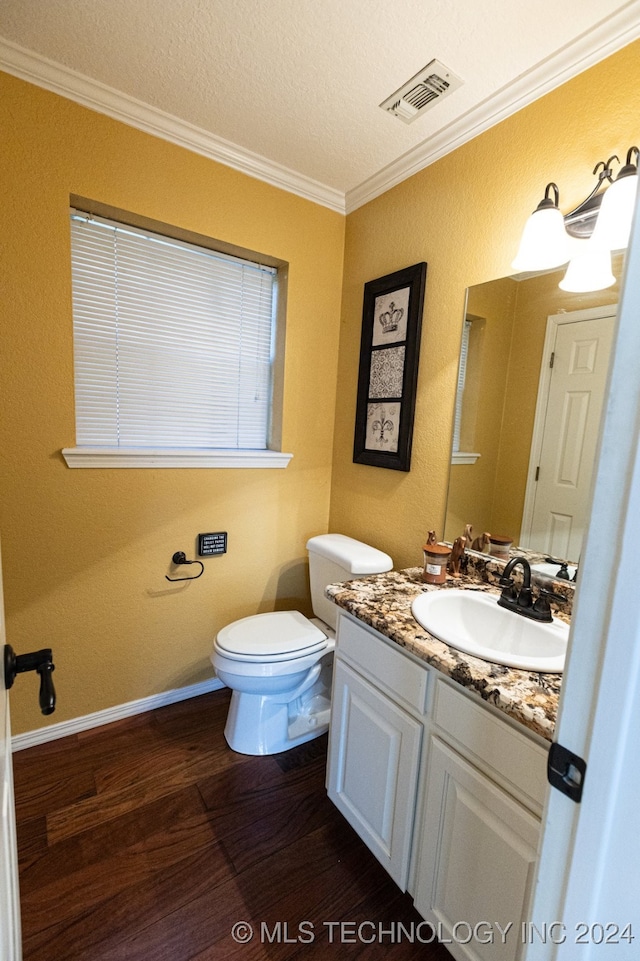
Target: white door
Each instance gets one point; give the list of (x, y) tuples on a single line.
[(10, 941), (572, 388), (587, 878)]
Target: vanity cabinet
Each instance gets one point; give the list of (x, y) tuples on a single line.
[(375, 744), (374, 771), (445, 791), (477, 859)]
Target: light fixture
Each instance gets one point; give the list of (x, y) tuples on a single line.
[(589, 269), (550, 239), (613, 225), (545, 242)]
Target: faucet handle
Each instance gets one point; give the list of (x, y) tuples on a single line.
[(509, 590), (542, 604), (543, 592)]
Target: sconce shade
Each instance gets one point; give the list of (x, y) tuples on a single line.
[(589, 269), (550, 240), (613, 225), (545, 242)]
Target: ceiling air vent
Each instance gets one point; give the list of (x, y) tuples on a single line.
[(429, 85)]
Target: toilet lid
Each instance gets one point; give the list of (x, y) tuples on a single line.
[(275, 636)]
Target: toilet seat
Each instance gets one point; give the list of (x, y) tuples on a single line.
[(276, 636)]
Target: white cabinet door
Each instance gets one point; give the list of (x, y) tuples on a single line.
[(373, 768), (476, 860)]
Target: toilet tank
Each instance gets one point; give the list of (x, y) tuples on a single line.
[(335, 557)]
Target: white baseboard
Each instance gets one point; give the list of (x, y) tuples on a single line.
[(54, 731)]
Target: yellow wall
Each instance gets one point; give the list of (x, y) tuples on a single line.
[(471, 486), (536, 300), (85, 552), (462, 215), (490, 494)]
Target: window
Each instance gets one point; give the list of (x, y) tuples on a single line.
[(174, 350), (467, 393), (462, 374)]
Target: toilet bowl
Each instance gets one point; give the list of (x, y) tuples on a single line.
[(279, 665), (279, 669)]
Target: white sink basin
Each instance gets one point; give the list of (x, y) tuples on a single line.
[(471, 621), (551, 570)]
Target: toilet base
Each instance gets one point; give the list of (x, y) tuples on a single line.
[(259, 724)]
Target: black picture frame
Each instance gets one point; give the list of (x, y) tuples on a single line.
[(388, 372)]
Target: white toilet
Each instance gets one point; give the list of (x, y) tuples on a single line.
[(279, 665)]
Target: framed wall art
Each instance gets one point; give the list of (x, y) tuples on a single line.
[(388, 374)]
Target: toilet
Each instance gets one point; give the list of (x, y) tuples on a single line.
[(279, 665)]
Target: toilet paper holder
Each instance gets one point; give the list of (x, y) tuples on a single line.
[(181, 558)]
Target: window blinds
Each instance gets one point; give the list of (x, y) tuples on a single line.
[(462, 374), (173, 342)]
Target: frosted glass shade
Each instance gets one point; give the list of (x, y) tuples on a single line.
[(590, 269), (613, 225), (544, 243)]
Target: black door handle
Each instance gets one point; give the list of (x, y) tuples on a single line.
[(40, 661)]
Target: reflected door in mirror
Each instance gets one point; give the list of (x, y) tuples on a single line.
[(566, 431)]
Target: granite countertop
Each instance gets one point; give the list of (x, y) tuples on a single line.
[(383, 601)]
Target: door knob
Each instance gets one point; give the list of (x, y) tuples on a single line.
[(40, 661)]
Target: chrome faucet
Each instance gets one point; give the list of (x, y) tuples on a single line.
[(521, 601)]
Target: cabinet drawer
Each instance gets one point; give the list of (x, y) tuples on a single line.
[(491, 742), (394, 672)]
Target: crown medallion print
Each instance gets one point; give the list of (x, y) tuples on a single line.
[(390, 319)]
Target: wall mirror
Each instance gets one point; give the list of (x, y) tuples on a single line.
[(533, 372)]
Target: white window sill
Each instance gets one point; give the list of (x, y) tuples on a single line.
[(463, 457), (159, 457)]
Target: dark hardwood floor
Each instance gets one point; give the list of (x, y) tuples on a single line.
[(148, 840)]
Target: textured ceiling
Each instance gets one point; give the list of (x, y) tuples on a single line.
[(298, 82)]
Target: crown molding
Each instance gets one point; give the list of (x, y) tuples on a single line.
[(604, 39), (39, 70), (610, 35)]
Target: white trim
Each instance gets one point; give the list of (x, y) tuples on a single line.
[(148, 457), (610, 35), (10, 921), (75, 86), (613, 33), (21, 742), (463, 457)]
